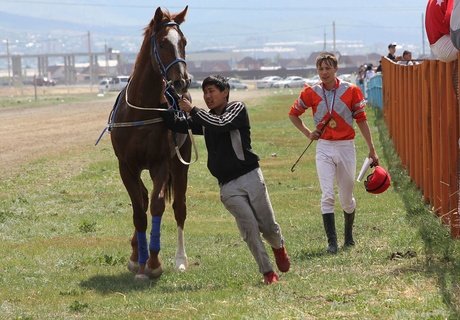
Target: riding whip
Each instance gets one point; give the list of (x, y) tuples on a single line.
[(321, 127)]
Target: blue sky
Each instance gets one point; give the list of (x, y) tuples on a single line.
[(213, 24)]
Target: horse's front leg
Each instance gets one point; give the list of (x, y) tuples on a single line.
[(157, 207), (179, 177), (139, 199)]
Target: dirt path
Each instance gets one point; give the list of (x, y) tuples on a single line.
[(27, 134), (30, 133)]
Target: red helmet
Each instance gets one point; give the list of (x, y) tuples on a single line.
[(378, 181)]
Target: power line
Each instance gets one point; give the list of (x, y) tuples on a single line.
[(223, 8)]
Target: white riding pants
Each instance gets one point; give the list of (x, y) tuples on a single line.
[(247, 199), (336, 161)]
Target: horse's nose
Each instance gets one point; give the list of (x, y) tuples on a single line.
[(181, 85)]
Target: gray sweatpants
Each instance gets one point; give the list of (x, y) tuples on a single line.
[(247, 200)]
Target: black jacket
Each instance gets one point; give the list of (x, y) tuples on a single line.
[(227, 137)]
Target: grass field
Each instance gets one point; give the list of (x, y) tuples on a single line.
[(65, 226), (23, 96)]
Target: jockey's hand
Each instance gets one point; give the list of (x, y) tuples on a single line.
[(314, 135), (375, 159)]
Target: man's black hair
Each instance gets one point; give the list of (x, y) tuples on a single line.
[(217, 80)]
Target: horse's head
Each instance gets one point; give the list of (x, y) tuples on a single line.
[(168, 48)]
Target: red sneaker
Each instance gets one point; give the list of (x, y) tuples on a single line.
[(271, 277), (282, 259)]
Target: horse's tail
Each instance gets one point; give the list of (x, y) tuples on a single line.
[(169, 189)]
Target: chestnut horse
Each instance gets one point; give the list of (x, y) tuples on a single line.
[(142, 142)]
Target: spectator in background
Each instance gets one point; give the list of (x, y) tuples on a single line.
[(455, 24), (437, 25), (379, 68), (391, 55), (361, 74), (370, 72), (391, 51), (406, 59)]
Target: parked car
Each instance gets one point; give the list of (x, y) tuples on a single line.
[(104, 85), (44, 81), (312, 80), (290, 82), (236, 84), (267, 82), (195, 84), (113, 84)]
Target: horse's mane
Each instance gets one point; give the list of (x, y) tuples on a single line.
[(144, 54), (150, 29)]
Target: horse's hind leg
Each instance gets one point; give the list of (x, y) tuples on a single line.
[(139, 200)]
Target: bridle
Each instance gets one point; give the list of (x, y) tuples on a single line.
[(171, 95), (154, 45)]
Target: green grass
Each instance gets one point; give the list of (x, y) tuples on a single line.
[(49, 96), (65, 226)]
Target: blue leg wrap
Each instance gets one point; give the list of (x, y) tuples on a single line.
[(142, 247), (155, 234)]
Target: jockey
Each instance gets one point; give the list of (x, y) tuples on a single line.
[(335, 105)]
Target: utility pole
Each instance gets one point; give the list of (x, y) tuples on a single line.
[(333, 37), (106, 61), (324, 40), (90, 56), (423, 35), (9, 63)]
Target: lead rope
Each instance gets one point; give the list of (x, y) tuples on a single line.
[(173, 98)]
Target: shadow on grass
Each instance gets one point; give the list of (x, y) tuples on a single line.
[(123, 282), (442, 259), (309, 254)]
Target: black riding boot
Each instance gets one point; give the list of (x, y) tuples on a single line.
[(329, 227), (349, 219)]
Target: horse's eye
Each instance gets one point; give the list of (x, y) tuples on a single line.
[(163, 43)]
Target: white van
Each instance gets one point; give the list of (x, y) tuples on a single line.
[(113, 84)]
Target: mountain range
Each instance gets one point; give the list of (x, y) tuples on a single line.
[(354, 26)]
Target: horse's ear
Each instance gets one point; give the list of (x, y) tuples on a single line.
[(180, 17), (157, 18)]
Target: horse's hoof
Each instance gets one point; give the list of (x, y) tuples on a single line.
[(153, 273), (181, 267), (141, 277), (181, 263), (133, 266)]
